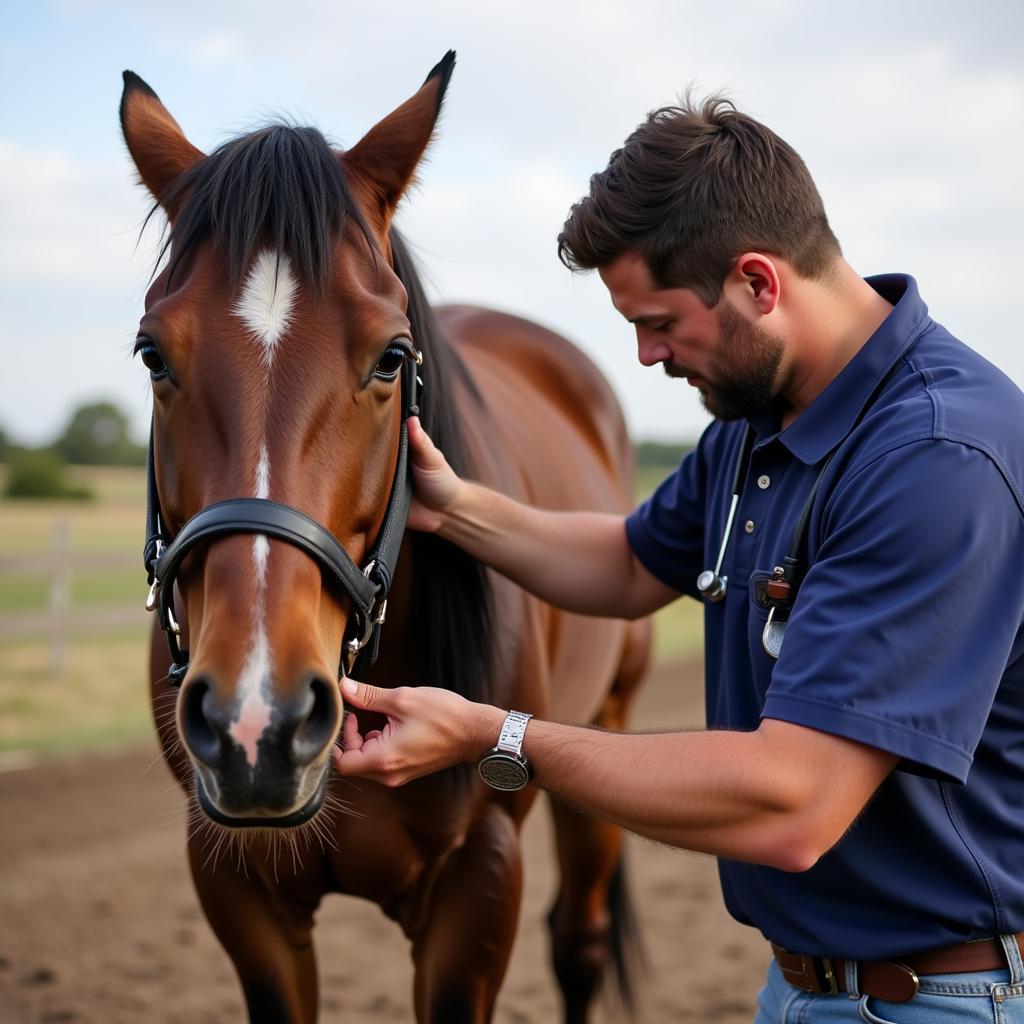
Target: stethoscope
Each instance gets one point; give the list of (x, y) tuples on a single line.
[(711, 584), (784, 581)]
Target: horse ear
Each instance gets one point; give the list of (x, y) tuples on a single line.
[(155, 140), (387, 155)]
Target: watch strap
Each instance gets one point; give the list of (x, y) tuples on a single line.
[(513, 730)]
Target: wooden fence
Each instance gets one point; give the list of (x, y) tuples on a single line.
[(59, 620)]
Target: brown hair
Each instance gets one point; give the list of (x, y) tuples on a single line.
[(694, 187)]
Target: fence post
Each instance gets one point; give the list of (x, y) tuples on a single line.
[(60, 595)]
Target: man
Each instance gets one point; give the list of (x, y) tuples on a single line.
[(861, 777)]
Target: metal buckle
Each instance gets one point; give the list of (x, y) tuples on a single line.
[(154, 588), (357, 643), (821, 972)]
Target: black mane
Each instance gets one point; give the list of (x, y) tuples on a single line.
[(284, 186), (451, 592), (280, 185)]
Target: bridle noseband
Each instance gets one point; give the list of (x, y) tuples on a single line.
[(367, 587)]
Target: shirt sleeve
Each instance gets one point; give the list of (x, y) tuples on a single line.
[(911, 609), (666, 532)]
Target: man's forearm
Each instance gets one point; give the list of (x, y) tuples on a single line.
[(705, 792), (752, 796), (781, 795), (580, 561)]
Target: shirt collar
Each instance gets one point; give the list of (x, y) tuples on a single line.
[(824, 424)]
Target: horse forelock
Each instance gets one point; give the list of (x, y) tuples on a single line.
[(281, 187)]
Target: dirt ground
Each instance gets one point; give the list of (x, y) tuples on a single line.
[(98, 921)]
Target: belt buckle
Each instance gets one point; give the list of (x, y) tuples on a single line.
[(822, 972)]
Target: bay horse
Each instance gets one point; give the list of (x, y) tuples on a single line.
[(283, 329)]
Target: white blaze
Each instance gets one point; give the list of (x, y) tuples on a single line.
[(260, 544), (254, 712), (266, 306), (267, 301)]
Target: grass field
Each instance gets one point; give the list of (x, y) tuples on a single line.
[(99, 700)]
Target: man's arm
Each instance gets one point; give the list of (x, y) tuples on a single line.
[(580, 561), (781, 795)]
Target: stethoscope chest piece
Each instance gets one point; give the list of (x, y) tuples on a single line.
[(712, 586)]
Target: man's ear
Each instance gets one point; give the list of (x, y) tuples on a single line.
[(756, 279), (385, 159), (155, 141)]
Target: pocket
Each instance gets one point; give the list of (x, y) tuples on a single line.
[(930, 1009), (866, 1013), (1008, 1004), (950, 999)]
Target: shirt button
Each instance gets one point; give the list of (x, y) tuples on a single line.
[(749, 526), (764, 482)]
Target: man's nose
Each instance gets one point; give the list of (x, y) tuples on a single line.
[(651, 351)]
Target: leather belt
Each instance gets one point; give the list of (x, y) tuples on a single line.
[(895, 981)]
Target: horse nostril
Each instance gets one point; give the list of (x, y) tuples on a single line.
[(204, 726), (316, 721)]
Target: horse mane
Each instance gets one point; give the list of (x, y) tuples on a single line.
[(452, 628), (281, 185), (284, 185)]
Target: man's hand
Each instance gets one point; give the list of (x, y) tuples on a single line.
[(436, 487), (427, 729)]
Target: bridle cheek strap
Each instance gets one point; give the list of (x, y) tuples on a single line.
[(366, 587)]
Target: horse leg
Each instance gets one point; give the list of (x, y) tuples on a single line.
[(463, 950), (591, 920), (269, 941)]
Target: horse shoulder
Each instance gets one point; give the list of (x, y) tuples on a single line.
[(551, 402)]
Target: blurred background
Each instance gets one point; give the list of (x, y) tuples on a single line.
[(908, 114)]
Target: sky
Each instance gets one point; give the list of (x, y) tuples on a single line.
[(910, 116)]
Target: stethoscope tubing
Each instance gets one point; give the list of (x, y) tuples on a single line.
[(793, 563)]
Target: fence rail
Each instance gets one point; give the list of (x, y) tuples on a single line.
[(59, 621), (43, 563), (81, 620)]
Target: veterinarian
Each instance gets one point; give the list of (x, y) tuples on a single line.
[(852, 520)]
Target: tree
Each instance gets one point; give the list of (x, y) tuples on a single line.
[(97, 435), (662, 454), (5, 445), (40, 473)]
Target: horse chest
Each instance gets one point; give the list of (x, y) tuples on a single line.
[(390, 847)]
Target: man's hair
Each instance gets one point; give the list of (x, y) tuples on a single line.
[(693, 188)]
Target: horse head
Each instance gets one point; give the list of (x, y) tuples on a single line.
[(277, 340)]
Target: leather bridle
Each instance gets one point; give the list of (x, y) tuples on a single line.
[(366, 586)]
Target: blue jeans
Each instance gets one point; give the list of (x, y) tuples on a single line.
[(980, 997)]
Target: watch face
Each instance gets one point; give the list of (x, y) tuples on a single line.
[(504, 771)]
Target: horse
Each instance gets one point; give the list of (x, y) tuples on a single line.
[(288, 338)]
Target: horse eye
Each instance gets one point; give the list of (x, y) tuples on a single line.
[(391, 362), (147, 352)]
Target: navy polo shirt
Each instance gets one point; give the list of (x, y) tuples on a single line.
[(906, 634)]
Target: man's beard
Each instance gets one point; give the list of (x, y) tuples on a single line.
[(744, 368)]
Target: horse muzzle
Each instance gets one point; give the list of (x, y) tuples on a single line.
[(259, 761)]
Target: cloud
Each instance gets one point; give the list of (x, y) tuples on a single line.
[(66, 220), (215, 48), (71, 284), (912, 135)]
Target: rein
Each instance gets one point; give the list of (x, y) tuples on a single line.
[(366, 586)]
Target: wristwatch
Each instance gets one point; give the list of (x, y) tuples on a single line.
[(504, 766)]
